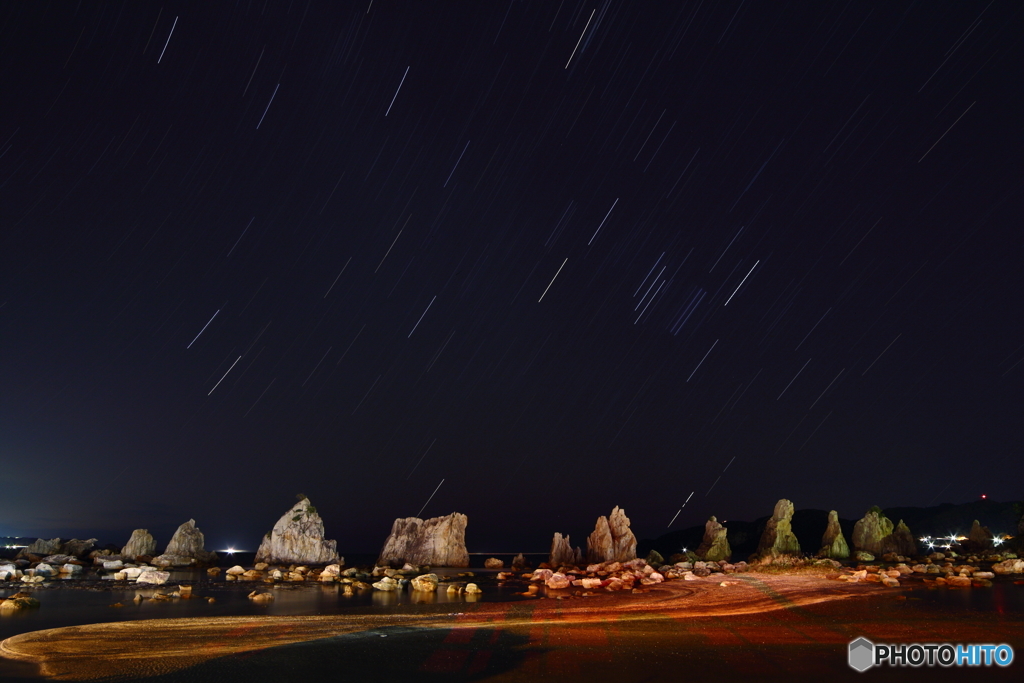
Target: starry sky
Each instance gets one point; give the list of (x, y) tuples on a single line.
[(527, 260)]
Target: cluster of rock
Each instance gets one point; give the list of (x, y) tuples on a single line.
[(963, 575), (298, 537), (437, 542), (622, 576), (41, 548), (874, 534)]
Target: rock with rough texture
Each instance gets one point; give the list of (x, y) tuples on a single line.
[(715, 545), (41, 547), (153, 576), (298, 538), (612, 540), (901, 541), (518, 562), (979, 538), (561, 551), (437, 542), (77, 548), (188, 542), (493, 563), (833, 544), (424, 582), (18, 601), (778, 540), (870, 532), (141, 543)]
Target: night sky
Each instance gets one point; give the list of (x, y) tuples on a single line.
[(562, 256)]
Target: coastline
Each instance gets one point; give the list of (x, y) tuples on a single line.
[(159, 647)]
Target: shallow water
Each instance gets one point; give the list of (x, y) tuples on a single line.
[(73, 603)]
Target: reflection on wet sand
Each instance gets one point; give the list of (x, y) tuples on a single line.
[(751, 627)]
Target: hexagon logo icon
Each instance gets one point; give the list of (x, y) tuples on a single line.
[(861, 654)]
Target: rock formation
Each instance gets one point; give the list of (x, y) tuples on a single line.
[(41, 547), (778, 540), (611, 540), (833, 544), (869, 531), (437, 542), (562, 552), (77, 548), (186, 548), (298, 538), (141, 543), (901, 541), (714, 546), (979, 538), (874, 533)]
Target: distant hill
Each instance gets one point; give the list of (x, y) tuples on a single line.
[(809, 525)]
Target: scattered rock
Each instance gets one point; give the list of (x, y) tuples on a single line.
[(437, 542), (833, 544), (715, 545), (611, 539), (387, 584), (298, 537), (140, 543)]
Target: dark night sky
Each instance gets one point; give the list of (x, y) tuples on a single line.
[(779, 248)]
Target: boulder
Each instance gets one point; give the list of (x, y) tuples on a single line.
[(298, 538), (60, 559), (561, 551), (778, 540), (18, 601), (166, 560), (611, 539), (870, 532), (833, 544), (425, 582), (519, 562), (387, 584), (188, 541), (77, 548), (141, 543), (41, 547), (493, 563), (715, 546), (153, 576), (438, 542), (558, 580)]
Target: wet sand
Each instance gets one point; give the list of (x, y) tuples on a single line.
[(762, 627)]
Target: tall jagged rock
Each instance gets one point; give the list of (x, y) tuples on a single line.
[(901, 541), (141, 543), (979, 538), (778, 540), (833, 544), (871, 531), (298, 538), (612, 540), (561, 551), (438, 542), (715, 545), (186, 548)]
